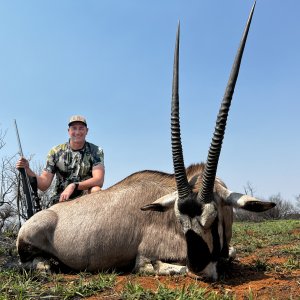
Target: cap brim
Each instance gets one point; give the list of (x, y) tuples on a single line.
[(77, 122)]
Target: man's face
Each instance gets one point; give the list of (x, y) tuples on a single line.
[(77, 132)]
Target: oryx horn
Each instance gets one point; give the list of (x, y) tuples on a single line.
[(183, 187), (206, 191)]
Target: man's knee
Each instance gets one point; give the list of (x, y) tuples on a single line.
[(94, 189)]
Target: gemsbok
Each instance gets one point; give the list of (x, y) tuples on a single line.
[(150, 221)]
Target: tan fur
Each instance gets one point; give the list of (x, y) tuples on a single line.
[(107, 229)]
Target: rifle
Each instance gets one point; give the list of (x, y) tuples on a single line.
[(32, 199)]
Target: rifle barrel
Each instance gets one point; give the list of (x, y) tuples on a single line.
[(25, 180), (18, 138)]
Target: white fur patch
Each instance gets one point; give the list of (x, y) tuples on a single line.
[(208, 215), (210, 271), (162, 268), (145, 265), (167, 200), (232, 253)]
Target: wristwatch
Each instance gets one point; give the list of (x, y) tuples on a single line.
[(76, 185)]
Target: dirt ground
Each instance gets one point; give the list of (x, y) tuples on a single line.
[(241, 282), (247, 277)]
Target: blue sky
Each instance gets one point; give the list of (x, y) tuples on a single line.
[(111, 61)]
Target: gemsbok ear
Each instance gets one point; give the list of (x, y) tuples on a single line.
[(246, 202), (162, 204), (249, 203), (252, 204)]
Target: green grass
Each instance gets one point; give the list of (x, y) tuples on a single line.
[(292, 264), (190, 292), (16, 285), (248, 237)]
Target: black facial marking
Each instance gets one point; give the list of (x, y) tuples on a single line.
[(197, 252), (216, 241), (225, 249), (189, 207), (199, 255)]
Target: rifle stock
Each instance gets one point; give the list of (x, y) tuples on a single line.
[(27, 192)]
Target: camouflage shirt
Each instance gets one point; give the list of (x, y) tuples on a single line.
[(72, 165)]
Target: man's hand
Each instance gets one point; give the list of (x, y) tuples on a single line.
[(22, 163), (65, 195), (43, 181)]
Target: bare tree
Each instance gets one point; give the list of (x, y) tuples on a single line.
[(243, 215), (283, 209), (13, 205), (249, 189), (298, 203), (2, 136), (7, 207), (7, 180)]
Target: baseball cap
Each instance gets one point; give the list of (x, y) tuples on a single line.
[(77, 118)]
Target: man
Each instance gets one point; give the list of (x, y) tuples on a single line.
[(77, 164)]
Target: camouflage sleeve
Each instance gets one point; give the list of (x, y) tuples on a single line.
[(50, 162), (98, 156)]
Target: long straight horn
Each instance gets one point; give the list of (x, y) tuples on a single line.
[(178, 162), (205, 192)]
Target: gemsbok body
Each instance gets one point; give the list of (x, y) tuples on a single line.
[(151, 221)]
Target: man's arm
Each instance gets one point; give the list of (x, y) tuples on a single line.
[(97, 179), (43, 181)]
